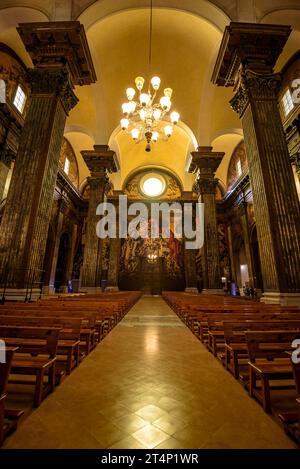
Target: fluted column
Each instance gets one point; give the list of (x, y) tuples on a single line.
[(275, 198), (100, 162), (61, 57), (205, 163)]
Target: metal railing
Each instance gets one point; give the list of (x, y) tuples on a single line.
[(30, 283)]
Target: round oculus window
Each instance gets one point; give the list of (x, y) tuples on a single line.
[(152, 185)]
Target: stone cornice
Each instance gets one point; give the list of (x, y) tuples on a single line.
[(101, 160), (254, 46), (58, 44)]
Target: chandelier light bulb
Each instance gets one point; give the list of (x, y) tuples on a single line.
[(157, 114), (168, 92), (126, 108), (135, 133), (154, 136), (142, 114), (144, 99), (144, 111), (174, 117), (124, 123), (168, 130), (165, 103), (139, 83), (155, 82), (132, 107), (130, 93)]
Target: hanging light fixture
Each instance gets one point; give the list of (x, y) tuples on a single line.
[(143, 117)]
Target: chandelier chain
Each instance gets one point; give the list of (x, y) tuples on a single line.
[(150, 35)]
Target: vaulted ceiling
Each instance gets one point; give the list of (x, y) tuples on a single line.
[(186, 38)]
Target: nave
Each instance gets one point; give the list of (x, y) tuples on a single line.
[(149, 384)]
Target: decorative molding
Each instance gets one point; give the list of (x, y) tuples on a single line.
[(253, 85), (205, 186), (53, 82), (255, 46), (59, 44)]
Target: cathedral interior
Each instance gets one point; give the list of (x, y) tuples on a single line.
[(231, 70)]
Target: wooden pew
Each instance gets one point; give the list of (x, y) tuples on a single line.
[(236, 349), (68, 342), (291, 420), (268, 361), (8, 418), (36, 356)]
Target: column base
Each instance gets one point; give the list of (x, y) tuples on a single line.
[(48, 290), (191, 290), (284, 299), (213, 291), (112, 288), (91, 290), (21, 294)]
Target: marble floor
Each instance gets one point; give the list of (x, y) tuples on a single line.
[(149, 384)]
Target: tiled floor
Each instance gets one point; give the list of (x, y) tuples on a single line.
[(149, 384)]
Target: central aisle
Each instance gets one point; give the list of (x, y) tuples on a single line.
[(149, 384)]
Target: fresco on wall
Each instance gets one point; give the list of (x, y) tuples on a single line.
[(171, 250), (239, 154), (173, 190), (223, 251)]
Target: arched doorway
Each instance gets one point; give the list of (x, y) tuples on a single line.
[(62, 259), (240, 263)]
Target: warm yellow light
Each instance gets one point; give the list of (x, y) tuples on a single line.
[(165, 103), (139, 83), (132, 107), (174, 117), (135, 134), (144, 99), (168, 130), (154, 136), (130, 92), (124, 124), (157, 114), (142, 114), (126, 108), (168, 92), (155, 82)]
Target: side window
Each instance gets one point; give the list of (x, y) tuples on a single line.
[(2, 91), (239, 168), (287, 103), (20, 99)]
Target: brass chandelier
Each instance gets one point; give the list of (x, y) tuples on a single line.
[(143, 117)]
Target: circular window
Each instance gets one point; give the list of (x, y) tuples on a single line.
[(152, 185)]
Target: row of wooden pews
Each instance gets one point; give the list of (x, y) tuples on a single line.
[(254, 341), (46, 340)]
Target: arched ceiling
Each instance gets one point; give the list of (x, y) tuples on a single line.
[(186, 39), (169, 154), (80, 140), (290, 18), (226, 143)]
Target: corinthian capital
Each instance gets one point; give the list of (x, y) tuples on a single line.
[(255, 86)]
